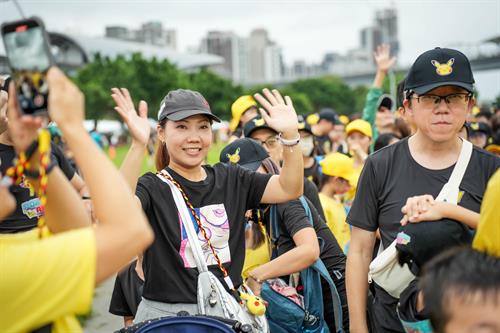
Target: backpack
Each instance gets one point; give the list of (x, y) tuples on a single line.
[(286, 316)]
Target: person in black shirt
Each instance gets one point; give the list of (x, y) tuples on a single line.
[(220, 194), (326, 123), (258, 130), (127, 292), (399, 182), (297, 245), (27, 212)]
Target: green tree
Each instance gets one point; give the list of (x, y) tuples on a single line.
[(219, 92), (328, 91)]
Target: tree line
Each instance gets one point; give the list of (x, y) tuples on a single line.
[(151, 79)]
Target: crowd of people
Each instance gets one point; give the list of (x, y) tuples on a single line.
[(389, 213)]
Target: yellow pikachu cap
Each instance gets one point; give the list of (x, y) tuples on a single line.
[(359, 125), (239, 107), (338, 165)]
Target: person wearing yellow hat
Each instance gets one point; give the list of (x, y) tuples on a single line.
[(243, 110), (359, 138), (338, 173)]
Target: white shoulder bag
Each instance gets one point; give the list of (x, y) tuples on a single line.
[(213, 299), (385, 269)]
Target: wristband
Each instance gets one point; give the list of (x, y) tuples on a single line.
[(288, 143), (251, 276)]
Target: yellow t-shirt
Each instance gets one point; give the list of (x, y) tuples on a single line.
[(46, 281), (335, 219), (256, 258), (487, 237)]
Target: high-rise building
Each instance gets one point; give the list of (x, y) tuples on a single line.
[(149, 33), (387, 21), (118, 32), (273, 63), (234, 51), (266, 62), (371, 37)]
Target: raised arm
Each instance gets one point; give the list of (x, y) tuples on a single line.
[(303, 255), (280, 115), (384, 62), (139, 128), (64, 210), (121, 232)]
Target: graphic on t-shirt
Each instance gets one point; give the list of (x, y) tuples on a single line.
[(31, 208), (214, 220)]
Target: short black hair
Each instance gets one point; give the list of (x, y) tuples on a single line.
[(400, 93), (460, 272)]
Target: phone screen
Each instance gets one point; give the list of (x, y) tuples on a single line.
[(29, 60)]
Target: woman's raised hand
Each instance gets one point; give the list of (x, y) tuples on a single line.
[(278, 112), (137, 124)]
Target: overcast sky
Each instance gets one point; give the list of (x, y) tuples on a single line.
[(304, 29)]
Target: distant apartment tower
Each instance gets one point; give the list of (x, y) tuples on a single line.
[(371, 37), (118, 32), (387, 21), (149, 33), (234, 51), (266, 63)]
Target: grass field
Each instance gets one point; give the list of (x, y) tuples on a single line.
[(148, 162)]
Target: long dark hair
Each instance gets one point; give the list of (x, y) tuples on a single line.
[(162, 158)]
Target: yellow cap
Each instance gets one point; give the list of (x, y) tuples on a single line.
[(239, 107), (359, 125), (338, 165), (475, 110), (344, 119), (312, 119)]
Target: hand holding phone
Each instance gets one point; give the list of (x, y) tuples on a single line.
[(28, 53)]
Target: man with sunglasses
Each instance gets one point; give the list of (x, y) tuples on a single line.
[(399, 183)]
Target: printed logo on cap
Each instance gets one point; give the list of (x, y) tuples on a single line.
[(443, 69), (234, 158), (259, 122)]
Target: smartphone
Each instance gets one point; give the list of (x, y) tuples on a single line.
[(28, 54)]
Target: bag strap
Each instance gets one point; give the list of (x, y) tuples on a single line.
[(450, 190), (321, 269), (182, 202)]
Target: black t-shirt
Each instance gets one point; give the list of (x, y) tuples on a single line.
[(313, 173), (221, 201), (324, 144), (127, 292), (25, 217), (311, 193), (391, 175), (293, 218)]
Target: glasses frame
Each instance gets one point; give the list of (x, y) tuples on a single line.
[(438, 98), (262, 143)]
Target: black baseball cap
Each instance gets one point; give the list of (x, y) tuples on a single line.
[(477, 127), (256, 123), (183, 103), (303, 125), (385, 100), (329, 115), (245, 152), (440, 67)]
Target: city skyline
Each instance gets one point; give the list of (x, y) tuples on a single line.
[(305, 30)]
